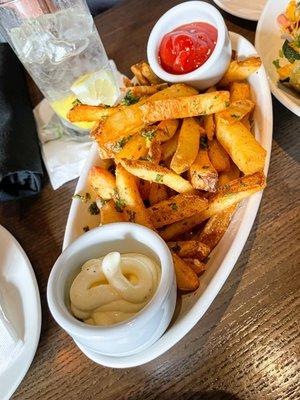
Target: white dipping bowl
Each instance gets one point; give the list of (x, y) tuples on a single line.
[(214, 68), (135, 334)]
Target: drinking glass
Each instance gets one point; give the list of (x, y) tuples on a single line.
[(58, 44)]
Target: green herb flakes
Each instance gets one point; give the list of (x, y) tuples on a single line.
[(93, 209), (130, 99), (76, 102), (276, 63), (174, 206), (119, 204), (159, 178), (84, 198)]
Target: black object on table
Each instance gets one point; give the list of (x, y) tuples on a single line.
[(20, 162)]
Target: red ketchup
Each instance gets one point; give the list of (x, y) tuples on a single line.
[(187, 47)]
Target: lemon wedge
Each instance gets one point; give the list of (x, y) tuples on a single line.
[(96, 88)]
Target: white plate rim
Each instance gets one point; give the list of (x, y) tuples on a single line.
[(235, 13), (37, 329), (280, 95), (200, 307)]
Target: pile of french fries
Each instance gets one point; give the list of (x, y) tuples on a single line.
[(180, 161)]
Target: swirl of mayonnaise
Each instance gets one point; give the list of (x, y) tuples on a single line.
[(113, 288)]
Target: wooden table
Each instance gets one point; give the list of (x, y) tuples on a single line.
[(245, 347)]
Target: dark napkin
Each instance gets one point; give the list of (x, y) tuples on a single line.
[(20, 162)]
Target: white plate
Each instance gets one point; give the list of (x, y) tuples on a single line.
[(22, 301), (268, 43), (225, 255), (247, 9)]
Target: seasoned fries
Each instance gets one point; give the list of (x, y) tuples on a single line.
[(236, 111), (179, 159), (190, 249), (110, 214), (202, 173), (129, 199), (184, 107), (85, 113), (240, 70), (156, 173), (187, 145), (103, 182), (226, 196), (242, 147), (141, 91), (176, 208), (218, 156), (186, 278)]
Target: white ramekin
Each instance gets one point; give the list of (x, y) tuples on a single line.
[(192, 11), (136, 333)]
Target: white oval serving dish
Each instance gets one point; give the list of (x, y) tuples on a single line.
[(268, 43), (224, 256)]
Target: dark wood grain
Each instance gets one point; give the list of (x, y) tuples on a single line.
[(246, 346)]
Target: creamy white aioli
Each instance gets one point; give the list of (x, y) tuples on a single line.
[(113, 288)]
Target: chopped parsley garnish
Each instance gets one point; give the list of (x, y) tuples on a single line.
[(86, 228), (216, 96), (84, 198), (121, 143), (149, 135), (93, 209), (119, 204), (281, 53), (130, 99), (132, 215), (101, 202), (227, 103), (159, 178), (174, 206), (276, 63), (76, 102), (203, 142), (235, 116)]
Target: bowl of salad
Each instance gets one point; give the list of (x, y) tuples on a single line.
[(278, 43)]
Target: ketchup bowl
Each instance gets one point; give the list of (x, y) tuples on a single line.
[(213, 67), (136, 333)]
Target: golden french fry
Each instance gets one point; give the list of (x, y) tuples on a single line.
[(187, 145), (130, 119), (145, 90), (226, 196), (186, 278), (136, 70), (239, 91), (216, 227), (168, 148), (240, 70), (129, 199), (197, 266), (154, 154), (218, 156), (135, 148), (103, 182), (184, 107), (109, 213), (157, 193), (156, 173), (86, 113), (166, 129), (236, 111), (190, 249), (246, 122), (202, 173), (209, 125), (228, 176), (148, 73), (242, 147), (176, 208)]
